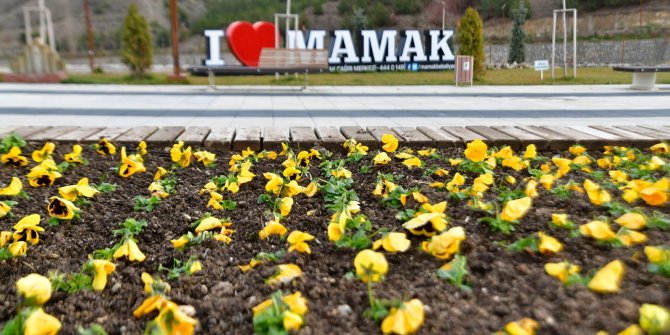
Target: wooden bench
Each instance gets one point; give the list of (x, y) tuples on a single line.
[(273, 61), (644, 77)]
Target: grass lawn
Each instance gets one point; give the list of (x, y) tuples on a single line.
[(599, 75)]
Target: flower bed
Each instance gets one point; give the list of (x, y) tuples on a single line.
[(465, 242)]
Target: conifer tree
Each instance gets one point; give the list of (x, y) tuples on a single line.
[(136, 46), (471, 38), (517, 51)]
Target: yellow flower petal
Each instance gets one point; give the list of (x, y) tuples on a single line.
[(35, 288), (515, 209), (390, 143), (41, 323), (654, 319), (549, 245), (370, 265), (476, 150), (608, 279)]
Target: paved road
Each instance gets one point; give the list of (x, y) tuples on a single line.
[(241, 106)]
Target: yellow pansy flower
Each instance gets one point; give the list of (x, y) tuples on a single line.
[(392, 242), (18, 248), (657, 254), (291, 321), (631, 220), (41, 323), (180, 242), (82, 189), (560, 220), (370, 265), (149, 304), (35, 288), (510, 180), (297, 241), (561, 271), (13, 158), (130, 165), (195, 267), (654, 319), (285, 274), (630, 237), (456, 181), (205, 157), (208, 223), (341, 173), (577, 150), (390, 143), (75, 155), (310, 190), (445, 245), (172, 321), (274, 183), (102, 269), (130, 250), (516, 209), (547, 181), (597, 195), (29, 226), (334, 232), (44, 153), (4, 209), (14, 188), (62, 209), (381, 158), (531, 189), (105, 147), (476, 150), (412, 162), (44, 174), (660, 148), (655, 163), (429, 223), (656, 194), (215, 200), (549, 245), (5, 237), (406, 319), (180, 155), (598, 230), (608, 278), (272, 228), (525, 326), (160, 172), (531, 152)]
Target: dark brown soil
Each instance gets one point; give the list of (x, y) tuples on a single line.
[(506, 286)]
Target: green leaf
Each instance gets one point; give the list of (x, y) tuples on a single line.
[(457, 272), (105, 187)]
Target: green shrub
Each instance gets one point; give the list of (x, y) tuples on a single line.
[(471, 38)]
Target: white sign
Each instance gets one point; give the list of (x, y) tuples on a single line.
[(466, 66), (541, 65)]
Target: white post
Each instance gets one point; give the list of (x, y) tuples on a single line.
[(553, 48), (444, 10), (574, 43), (288, 13), (50, 27), (29, 29), (565, 42), (541, 74), (43, 31)]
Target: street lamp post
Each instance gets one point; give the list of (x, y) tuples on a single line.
[(176, 69), (444, 12)]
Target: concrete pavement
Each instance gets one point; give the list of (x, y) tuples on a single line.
[(273, 106)]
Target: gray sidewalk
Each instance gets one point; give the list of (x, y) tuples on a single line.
[(265, 106)]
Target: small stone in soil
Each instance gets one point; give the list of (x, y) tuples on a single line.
[(344, 310)]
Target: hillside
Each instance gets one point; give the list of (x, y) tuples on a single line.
[(196, 15)]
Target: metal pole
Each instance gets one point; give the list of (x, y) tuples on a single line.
[(565, 43), (43, 31), (444, 12), (574, 43), (176, 71), (29, 29), (89, 33), (553, 48), (288, 26), (640, 13)]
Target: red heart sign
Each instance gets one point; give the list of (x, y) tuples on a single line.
[(247, 40)]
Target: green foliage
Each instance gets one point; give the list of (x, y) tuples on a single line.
[(130, 228), (220, 13), (457, 273), (355, 235), (405, 7), (500, 8), (658, 220), (16, 326), (271, 319), (146, 204), (517, 51), (529, 244), (105, 187), (471, 37), (12, 140), (379, 16), (94, 329), (358, 19), (662, 268), (70, 283), (178, 268), (136, 45), (498, 225)]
